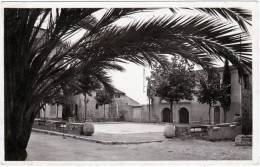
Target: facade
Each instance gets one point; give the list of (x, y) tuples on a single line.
[(126, 109), (84, 107), (193, 112)]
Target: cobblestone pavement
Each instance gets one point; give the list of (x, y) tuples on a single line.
[(44, 147)]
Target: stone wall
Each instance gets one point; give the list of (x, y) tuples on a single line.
[(224, 133)]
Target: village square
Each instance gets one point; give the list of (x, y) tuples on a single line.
[(128, 84)]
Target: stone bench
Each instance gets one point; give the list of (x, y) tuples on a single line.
[(243, 140)]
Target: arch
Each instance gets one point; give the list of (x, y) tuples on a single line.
[(166, 115), (184, 115)]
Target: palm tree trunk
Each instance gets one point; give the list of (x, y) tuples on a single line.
[(18, 127)]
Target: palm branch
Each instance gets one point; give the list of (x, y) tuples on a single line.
[(198, 39), (242, 17)]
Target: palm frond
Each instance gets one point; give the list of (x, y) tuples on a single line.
[(113, 14), (239, 15), (197, 38)]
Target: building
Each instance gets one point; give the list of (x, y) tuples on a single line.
[(126, 109), (84, 107), (193, 112)]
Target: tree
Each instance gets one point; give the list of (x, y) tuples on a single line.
[(209, 89), (149, 94), (225, 95), (174, 81), (37, 61), (103, 97)]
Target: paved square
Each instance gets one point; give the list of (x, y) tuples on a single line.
[(44, 147), (127, 127)]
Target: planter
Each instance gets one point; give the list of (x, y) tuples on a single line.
[(169, 131), (88, 129)]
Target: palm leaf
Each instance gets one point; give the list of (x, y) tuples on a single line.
[(197, 38), (239, 15)]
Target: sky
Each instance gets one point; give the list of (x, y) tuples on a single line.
[(133, 80)]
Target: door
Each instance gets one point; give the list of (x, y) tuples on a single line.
[(184, 115), (166, 115)]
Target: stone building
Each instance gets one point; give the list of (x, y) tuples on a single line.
[(83, 107), (193, 112), (188, 112)]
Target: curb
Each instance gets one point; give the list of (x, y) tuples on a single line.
[(90, 140)]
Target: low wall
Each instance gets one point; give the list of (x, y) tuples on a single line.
[(224, 133), (59, 126)]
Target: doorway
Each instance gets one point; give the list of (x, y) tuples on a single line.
[(184, 115), (166, 115)]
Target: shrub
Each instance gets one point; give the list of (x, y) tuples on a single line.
[(88, 129), (169, 131)]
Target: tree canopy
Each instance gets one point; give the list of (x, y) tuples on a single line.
[(172, 81), (225, 96)]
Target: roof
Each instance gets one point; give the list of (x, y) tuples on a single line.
[(118, 91)]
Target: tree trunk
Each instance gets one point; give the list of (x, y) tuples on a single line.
[(104, 111), (85, 107), (18, 127), (149, 101), (57, 111), (209, 114), (225, 116), (44, 112), (171, 108)]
